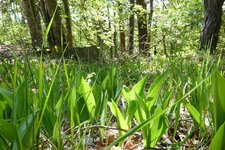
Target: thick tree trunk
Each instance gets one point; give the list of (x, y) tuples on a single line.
[(69, 36), (34, 24), (57, 28), (47, 19), (210, 33), (142, 28), (131, 29)]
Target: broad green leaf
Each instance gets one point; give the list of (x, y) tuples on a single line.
[(218, 140), (26, 123), (193, 111), (116, 112), (57, 126), (131, 109), (7, 95), (158, 128), (143, 110), (219, 97), (141, 115), (7, 130), (20, 100), (88, 97), (126, 93), (71, 104), (105, 81), (49, 121), (155, 88), (139, 87)]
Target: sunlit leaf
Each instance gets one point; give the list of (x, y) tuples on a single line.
[(88, 96), (218, 140), (116, 112)]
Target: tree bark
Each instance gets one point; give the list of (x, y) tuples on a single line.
[(142, 28), (34, 22), (131, 29), (57, 28), (69, 36), (121, 29), (150, 20), (210, 33), (47, 19)]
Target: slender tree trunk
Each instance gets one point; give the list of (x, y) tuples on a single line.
[(69, 36), (131, 29), (150, 20), (142, 28), (121, 30), (110, 28), (34, 24), (210, 33), (115, 37), (100, 40), (122, 39)]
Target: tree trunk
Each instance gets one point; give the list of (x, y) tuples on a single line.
[(210, 33), (150, 20), (122, 39), (69, 36), (121, 29), (110, 28), (142, 28), (131, 29), (34, 22), (115, 37), (47, 19), (57, 28)]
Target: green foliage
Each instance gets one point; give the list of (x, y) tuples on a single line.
[(218, 140), (218, 102)]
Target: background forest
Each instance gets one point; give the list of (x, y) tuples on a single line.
[(112, 74)]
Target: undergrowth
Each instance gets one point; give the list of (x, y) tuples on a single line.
[(64, 104)]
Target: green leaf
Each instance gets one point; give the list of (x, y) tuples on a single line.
[(126, 93), (49, 121), (26, 123), (193, 112), (71, 104), (218, 140), (155, 88), (131, 109), (139, 87), (105, 81), (159, 126), (89, 99), (7, 95), (143, 110), (20, 100), (116, 112), (219, 97), (57, 126), (7, 130)]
